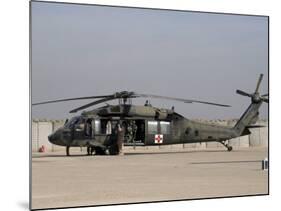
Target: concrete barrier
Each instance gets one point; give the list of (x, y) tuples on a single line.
[(45, 128), (244, 141), (35, 136), (41, 129), (214, 145), (264, 136), (165, 146), (255, 137), (201, 145), (56, 125), (259, 136), (177, 146), (192, 145)]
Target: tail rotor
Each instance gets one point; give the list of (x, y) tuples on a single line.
[(255, 97)]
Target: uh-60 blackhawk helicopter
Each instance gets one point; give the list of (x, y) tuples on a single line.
[(144, 125)]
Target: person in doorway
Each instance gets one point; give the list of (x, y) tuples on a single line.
[(108, 128), (129, 132), (134, 129), (88, 128), (120, 138)]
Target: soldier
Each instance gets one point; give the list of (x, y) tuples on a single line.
[(108, 128), (129, 132), (88, 128), (120, 138), (134, 130)]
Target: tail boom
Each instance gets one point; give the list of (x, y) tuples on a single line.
[(250, 116)]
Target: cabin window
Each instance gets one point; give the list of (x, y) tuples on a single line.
[(152, 127), (196, 133), (97, 127), (104, 126), (187, 131), (165, 127)]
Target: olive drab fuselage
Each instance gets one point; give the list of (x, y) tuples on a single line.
[(150, 122)]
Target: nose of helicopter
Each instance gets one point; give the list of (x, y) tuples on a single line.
[(61, 137), (55, 137), (52, 138)]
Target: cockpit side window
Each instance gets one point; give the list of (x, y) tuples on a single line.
[(73, 121)]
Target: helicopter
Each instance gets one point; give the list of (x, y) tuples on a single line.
[(145, 125)]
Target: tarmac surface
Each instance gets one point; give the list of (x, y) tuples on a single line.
[(145, 175)]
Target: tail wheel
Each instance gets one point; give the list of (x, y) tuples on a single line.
[(224, 143)]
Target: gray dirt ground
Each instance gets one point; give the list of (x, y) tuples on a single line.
[(146, 175)]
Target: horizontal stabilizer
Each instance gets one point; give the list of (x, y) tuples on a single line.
[(246, 130), (255, 126)]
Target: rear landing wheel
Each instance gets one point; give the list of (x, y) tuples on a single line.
[(229, 148), (224, 143)]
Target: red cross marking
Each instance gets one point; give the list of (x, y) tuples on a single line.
[(158, 138)]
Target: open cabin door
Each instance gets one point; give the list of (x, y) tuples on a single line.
[(134, 132)]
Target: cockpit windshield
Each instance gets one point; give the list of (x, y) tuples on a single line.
[(72, 122)]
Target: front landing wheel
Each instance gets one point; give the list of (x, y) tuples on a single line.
[(229, 148), (67, 151)]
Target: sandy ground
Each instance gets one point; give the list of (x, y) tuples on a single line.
[(145, 175)]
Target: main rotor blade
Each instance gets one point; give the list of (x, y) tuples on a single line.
[(71, 99), (162, 97), (210, 103), (179, 99), (92, 103), (265, 99), (238, 91), (259, 82)]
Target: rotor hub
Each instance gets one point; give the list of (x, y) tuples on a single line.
[(256, 98)]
